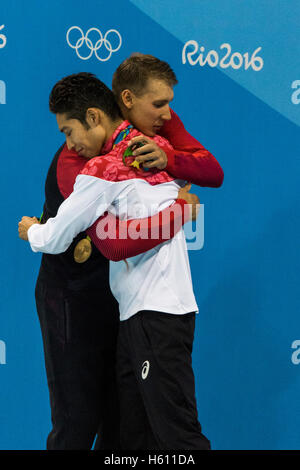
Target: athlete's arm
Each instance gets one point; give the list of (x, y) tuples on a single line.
[(90, 199), (188, 160), (112, 236)]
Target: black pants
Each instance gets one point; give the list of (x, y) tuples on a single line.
[(79, 330), (156, 383)]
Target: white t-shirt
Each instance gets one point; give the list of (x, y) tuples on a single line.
[(159, 279)]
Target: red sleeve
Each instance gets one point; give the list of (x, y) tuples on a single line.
[(190, 161), (117, 239), (69, 165)]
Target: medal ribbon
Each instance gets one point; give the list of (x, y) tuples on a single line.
[(121, 136), (128, 152)]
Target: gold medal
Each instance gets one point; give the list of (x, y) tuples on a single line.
[(83, 250)]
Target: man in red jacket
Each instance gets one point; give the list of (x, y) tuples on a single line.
[(79, 340), (143, 93)]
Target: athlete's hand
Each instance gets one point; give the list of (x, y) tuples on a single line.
[(191, 199), (150, 152), (24, 226)]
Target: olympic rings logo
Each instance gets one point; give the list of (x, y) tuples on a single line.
[(94, 48)]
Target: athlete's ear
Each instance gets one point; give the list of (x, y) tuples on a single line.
[(93, 117), (127, 98)]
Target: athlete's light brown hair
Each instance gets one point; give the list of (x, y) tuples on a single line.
[(134, 72)]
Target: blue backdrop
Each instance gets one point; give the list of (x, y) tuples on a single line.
[(239, 93)]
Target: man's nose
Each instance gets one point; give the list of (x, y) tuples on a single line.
[(70, 144), (166, 116)]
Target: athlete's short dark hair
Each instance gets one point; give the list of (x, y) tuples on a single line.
[(76, 93), (134, 72)]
